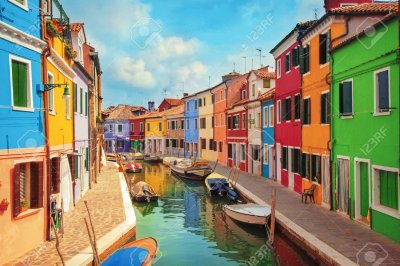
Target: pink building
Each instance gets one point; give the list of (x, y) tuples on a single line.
[(287, 106)]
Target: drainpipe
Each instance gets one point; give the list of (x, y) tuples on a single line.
[(45, 54)]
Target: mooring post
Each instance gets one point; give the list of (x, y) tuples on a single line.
[(57, 241), (237, 175), (96, 258), (273, 206)]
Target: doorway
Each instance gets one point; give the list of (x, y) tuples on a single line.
[(326, 182), (278, 162), (290, 169), (342, 186), (362, 193)]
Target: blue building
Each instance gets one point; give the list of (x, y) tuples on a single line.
[(267, 105), (191, 126), (22, 136)]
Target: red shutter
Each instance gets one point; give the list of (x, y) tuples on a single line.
[(34, 185), (40, 185), (16, 185)]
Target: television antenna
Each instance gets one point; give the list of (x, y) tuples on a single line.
[(260, 55)]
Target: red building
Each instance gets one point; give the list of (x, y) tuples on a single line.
[(329, 4), (287, 105), (168, 103), (237, 122)]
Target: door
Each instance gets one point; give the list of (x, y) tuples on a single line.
[(362, 191), (278, 162), (271, 162), (291, 174), (234, 157), (343, 185), (326, 182)]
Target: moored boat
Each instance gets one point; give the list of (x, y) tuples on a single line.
[(133, 167), (168, 160), (151, 158), (192, 171), (143, 192), (137, 156), (140, 252), (217, 184), (249, 213)]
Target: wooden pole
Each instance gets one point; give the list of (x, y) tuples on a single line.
[(237, 176), (91, 225), (229, 174), (96, 258), (57, 241), (273, 206)]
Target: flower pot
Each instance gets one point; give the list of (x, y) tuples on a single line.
[(3, 207), (24, 208)]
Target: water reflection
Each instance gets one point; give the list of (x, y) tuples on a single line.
[(189, 225)]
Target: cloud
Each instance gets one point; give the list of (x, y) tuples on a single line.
[(134, 73), (171, 47)]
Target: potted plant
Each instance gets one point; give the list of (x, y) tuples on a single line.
[(53, 28), (69, 51), (4, 205), (24, 205)]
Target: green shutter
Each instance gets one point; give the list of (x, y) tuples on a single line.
[(81, 100), (19, 79), (75, 98), (302, 60), (86, 103), (364, 189)]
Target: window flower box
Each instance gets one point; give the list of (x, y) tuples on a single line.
[(4, 205), (69, 52), (23, 205), (53, 28)]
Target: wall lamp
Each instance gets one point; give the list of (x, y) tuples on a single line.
[(49, 87)]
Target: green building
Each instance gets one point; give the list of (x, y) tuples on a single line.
[(365, 127)]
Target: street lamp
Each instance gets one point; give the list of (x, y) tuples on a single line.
[(66, 94)]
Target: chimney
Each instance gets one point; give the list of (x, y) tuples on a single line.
[(151, 106), (185, 94)]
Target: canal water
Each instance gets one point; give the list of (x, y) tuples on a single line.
[(190, 226)]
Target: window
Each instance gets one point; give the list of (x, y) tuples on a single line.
[(212, 99), (346, 98), (141, 127), (27, 186), (168, 125), (242, 152), (20, 3), (230, 146), (271, 116), (75, 97), (195, 104), (297, 106), (284, 158), (148, 126), (182, 124), (306, 111), (256, 152), (323, 48), (200, 102), (251, 122), (210, 144), (287, 63), (204, 101), (187, 124), (203, 122), (244, 94), (159, 126), (382, 91), (305, 59), (258, 119), (195, 123), (203, 144), (80, 100), (229, 122), (236, 122), (286, 109), (305, 165), (212, 122), (253, 90), (316, 168), (132, 127), (278, 68), (243, 120), (295, 56), (110, 128), (21, 82), (86, 104), (265, 115), (119, 128), (296, 161), (120, 144), (266, 153), (167, 143), (279, 112), (220, 146), (388, 188), (181, 143), (220, 119), (267, 83), (50, 93), (325, 109)]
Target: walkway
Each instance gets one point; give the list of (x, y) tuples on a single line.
[(338, 237), (112, 216)]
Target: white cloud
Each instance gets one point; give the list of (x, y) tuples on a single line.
[(171, 47), (134, 73)]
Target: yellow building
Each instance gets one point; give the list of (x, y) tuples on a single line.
[(155, 133), (206, 125)]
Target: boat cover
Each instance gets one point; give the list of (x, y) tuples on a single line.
[(251, 209), (127, 256)]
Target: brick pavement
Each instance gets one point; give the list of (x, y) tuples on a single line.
[(344, 235), (106, 207)]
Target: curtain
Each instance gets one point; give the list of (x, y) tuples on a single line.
[(343, 185), (66, 183)]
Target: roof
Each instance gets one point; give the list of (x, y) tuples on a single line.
[(365, 32), (269, 95), (180, 109), (243, 101), (76, 26), (122, 112), (263, 73), (301, 26), (172, 101), (361, 9)]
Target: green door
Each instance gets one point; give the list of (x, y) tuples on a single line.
[(364, 191)]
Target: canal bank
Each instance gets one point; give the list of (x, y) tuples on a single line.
[(113, 219), (325, 236)]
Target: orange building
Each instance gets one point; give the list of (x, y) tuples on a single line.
[(219, 100)]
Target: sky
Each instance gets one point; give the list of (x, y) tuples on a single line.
[(154, 49)]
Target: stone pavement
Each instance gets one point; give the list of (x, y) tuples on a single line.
[(350, 238), (107, 211)]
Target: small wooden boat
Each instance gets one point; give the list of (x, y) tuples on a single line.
[(137, 156), (151, 158), (140, 252), (249, 213), (111, 157), (219, 185), (132, 167), (168, 160), (142, 192), (192, 171)]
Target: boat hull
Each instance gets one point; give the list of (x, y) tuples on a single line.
[(145, 198), (128, 170), (244, 218), (198, 174)]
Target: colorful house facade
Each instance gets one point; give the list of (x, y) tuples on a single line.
[(191, 126), (168, 103), (365, 100), (267, 136), (288, 108), (156, 133), (260, 81), (137, 125), (316, 41), (175, 131), (22, 130)]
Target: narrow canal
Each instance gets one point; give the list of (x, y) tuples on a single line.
[(190, 226)]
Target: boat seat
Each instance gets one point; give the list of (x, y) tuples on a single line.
[(309, 192)]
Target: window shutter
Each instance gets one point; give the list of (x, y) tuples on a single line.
[(75, 98), (16, 188), (86, 103), (81, 100), (40, 185), (34, 185), (294, 57), (307, 56), (341, 98), (322, 107), (302, 60), (322, 48), (383, 91), (23, 84)]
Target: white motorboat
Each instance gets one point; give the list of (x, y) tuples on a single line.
[(249, 213)]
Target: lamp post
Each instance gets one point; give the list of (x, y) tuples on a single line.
[(66, 94)]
